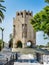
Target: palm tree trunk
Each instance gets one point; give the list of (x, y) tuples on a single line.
[(2, 37)]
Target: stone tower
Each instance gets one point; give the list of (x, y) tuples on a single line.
[(22, 29)]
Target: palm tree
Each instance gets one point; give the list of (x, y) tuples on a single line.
[(0, 44), (2, 35), (2, 8)]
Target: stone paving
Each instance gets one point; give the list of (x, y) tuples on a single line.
[(6, 53)]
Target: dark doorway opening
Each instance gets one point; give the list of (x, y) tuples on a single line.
[(19, 44)]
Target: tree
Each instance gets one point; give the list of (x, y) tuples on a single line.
[(47, 1), (41, 21), (2, 8), (1, 44), (11, 41), (48, 44), (2, 36)]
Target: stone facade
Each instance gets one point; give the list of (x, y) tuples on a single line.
[(22, 29)]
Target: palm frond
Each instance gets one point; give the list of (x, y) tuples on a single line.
[(2, 9), (1, 0), (1, 14), (0, 20), (1, 6)]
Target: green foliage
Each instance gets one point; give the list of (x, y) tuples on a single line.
[(2, 8), (1, 44), (40, 46), (48, 44), (11, 41), (47, 1), (41, 21)]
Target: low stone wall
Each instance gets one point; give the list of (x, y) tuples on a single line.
[(16, 63), (24, 50)]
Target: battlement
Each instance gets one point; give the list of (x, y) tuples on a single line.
[(24, 13)]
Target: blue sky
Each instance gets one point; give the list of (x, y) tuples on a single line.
[(17, 5)]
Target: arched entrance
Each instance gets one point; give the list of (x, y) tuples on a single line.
[(29, 44), (19, 44)]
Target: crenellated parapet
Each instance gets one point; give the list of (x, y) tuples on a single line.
[(24, 13)]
